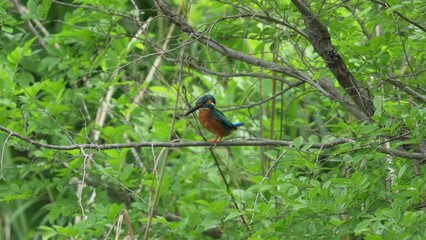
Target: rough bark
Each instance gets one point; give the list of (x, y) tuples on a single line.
[(320, 39)]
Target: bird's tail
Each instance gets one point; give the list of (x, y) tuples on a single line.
[(238, 124)]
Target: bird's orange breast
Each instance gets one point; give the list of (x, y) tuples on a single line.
[(212, 124)]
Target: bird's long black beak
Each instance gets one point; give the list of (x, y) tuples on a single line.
[(193, 110)]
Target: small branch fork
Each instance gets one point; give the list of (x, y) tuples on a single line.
[(179, 144)]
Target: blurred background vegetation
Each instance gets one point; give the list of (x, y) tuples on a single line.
[(104, 72)]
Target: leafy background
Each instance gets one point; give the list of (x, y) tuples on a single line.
[(106, 72)]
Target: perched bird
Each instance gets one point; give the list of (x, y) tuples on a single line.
[(212, 119)]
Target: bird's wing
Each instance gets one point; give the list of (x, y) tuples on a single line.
[(221, 117)]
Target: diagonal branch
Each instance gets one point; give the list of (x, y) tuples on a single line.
[(358, 19), (30, 26), (321, 41), (407, 89), (184, 26)]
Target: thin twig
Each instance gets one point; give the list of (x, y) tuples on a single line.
[(2, 156), (266, 176), (228, 188), (165, 151), (386, 5), (215, 45)]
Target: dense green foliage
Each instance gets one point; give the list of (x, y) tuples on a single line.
[(105, 72)]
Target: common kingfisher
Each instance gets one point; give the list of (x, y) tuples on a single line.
[(212, 119)]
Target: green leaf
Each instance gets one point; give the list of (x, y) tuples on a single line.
[(347, 158), (47, 232), (363, 226), (368, 129), (377, 102), (43, 9), (393, 8), (307, 146), (32, 9), (373, 237), (233, 215), (297, 142), (19, 52), (69, 231), (49, 63), (15, 56), (7, 29), (402, 170)]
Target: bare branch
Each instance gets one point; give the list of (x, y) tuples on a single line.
[(179, 144)]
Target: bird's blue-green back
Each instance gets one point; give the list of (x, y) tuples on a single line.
[(221, 117)]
